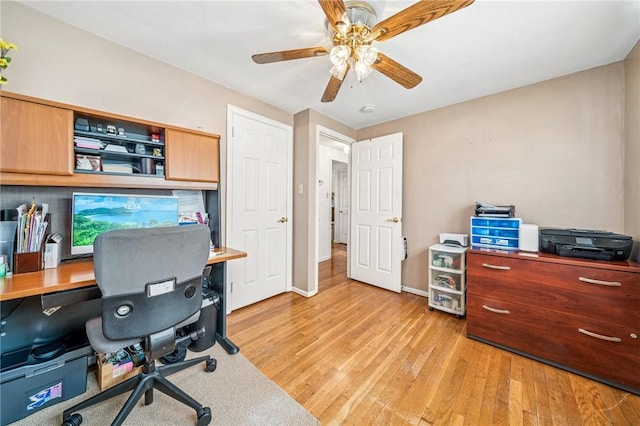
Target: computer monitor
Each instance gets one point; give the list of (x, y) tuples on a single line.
[(94, 213)]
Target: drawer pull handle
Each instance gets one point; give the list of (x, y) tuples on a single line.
[(599, 336), (502, 268), (497, 311), (599, 282)]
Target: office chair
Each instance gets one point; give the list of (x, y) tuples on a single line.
[(151, 285)]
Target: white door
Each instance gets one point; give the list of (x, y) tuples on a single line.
[(376, 211), (343, 207), (258, 207)]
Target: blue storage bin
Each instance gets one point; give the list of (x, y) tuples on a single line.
[(496, 222), (492, 232), (494, 241), (495, 232)]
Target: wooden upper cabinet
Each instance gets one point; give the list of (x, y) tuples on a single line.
[(35, 138), (192, 156)]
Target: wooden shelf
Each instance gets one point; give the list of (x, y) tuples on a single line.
[(190, 157)]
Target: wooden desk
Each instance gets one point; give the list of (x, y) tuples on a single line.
[(51, 283), (73, 275)]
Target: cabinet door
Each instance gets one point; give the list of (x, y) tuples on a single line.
[(575, 290), (592, 346), (35, 138), (191, 156)]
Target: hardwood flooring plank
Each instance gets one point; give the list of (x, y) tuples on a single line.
[(356, 354)]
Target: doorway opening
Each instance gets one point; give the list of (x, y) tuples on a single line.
[(332, 214)]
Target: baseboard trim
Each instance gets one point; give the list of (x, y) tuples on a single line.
[(415, 291), (303, 292)]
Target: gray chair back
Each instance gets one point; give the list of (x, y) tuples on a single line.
[(150, 278)]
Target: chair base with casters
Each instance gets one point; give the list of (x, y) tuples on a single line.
[(150, 378)]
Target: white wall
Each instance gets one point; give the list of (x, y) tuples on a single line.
[(58, 62), (553, 149)]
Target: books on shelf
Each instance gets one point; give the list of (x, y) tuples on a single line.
[(90, 143)]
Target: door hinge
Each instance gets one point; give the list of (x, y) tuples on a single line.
[(231, 287)]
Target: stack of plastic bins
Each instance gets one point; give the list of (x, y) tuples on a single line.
[(496, 233)]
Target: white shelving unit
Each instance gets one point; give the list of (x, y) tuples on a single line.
[(447, 279)]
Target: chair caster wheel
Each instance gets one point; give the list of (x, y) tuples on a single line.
[(459, 316), (211, 366), (204, 417), (431, 309), (73, 420)]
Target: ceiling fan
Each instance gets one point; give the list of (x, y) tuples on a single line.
[(354, 30)]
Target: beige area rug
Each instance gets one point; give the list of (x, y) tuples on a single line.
[(237, 393)]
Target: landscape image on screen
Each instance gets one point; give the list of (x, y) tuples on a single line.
[(96, 213)]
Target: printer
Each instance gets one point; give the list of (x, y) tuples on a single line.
[(584, 243)]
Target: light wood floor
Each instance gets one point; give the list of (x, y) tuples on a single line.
[(356, 354)]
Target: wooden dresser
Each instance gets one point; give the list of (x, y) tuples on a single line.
[(576, 314)]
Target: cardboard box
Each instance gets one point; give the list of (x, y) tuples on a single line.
[(110, 374), (53, 251)]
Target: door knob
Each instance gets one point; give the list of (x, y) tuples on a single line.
[(283, 220), (394, 220)]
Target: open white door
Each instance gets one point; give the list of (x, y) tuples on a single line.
[(375, 248), (258, 206)]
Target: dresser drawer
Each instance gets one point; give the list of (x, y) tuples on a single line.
[(589, 292), (600, 349)]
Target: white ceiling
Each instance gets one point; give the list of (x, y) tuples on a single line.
[(488, 47)]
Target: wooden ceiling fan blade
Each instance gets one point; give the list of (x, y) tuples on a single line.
[(396, 72), (335, 11), (415, 15), (333, 87), (287, 55)]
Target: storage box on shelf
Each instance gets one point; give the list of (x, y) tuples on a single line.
[(500, 233), (447, 286)]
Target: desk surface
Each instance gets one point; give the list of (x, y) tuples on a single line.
[(72, 275)]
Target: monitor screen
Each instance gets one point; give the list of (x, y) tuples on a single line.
[(96, 213)]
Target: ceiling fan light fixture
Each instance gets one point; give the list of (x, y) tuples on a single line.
[(343, 25), (362, 70), (339, 55), (361, 13), (367, 54), (339, 71)]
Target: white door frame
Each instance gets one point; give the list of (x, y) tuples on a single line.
[(340, 221), (236, 111), (313, 195)]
